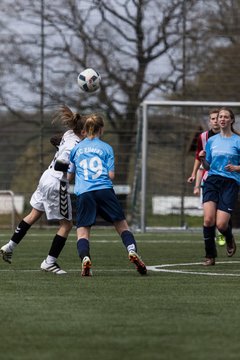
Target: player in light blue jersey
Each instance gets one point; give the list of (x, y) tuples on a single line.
[(92, 162), (222, 160)]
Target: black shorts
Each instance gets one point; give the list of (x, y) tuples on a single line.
[(99, 202), (221, 190)]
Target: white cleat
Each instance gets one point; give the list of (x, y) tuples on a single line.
[(137, 261), (86, 266), (54, 268), (6, 253)]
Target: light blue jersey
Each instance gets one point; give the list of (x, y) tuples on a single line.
[(91, 161), (221, 151)]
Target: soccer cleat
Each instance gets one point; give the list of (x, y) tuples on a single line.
[(54, 268), (6, 253), (209, 262), (135, 259), (220, 239), (86, 267), (231, 248)]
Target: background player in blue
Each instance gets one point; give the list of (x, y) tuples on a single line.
[(222, 160), (93, 164)]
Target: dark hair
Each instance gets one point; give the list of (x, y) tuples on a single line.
[(232, 116), (71, 120), (93, 124)]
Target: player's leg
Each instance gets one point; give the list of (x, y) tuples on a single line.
[(83, 249), (50, 263), (57, 206), (110, 209), (85, 218), (227, 202), (6, 250), (209, 232), (130, 245), (225, 229)]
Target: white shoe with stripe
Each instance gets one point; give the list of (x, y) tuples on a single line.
[(54, 268)]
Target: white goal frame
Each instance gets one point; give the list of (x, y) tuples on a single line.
[(11, 194), (144, 107)]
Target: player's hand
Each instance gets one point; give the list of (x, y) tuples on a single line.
[(191, 179), (231, 168), (196, 190)]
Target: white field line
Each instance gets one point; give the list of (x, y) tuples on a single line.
[(162, 268), (149, 241)]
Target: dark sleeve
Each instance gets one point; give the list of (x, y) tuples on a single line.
[(55, 140), (199, 147)]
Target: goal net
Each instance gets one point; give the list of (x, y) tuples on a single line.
[(166, 144)]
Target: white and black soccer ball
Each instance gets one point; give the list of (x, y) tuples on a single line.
[(89, 80)]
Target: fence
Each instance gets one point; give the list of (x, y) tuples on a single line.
[(168, 134)]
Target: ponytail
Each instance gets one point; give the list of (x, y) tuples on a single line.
[(71, 120)]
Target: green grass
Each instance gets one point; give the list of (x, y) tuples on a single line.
[(117, 314)]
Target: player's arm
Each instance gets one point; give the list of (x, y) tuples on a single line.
[(71, 170), (110, 163), (61, 165), (196, 166), (197, 161), (62, 162), (111, 175), (197, 187), (70, 176), (202, 156)]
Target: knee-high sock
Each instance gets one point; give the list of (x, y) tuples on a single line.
[(57, 246), (20, 232), (83, 248), (129, 240), (209, 241)]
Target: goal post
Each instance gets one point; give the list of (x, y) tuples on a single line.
[(172, 124), (9, 194)]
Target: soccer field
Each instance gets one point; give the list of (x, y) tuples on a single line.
[(181, 310)]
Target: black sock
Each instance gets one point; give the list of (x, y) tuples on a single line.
[(209, 240), (83, 248), (128, 240), (20, 232), (57, 246)]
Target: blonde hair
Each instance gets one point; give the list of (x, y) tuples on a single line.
[(93, 124), (72, 120)]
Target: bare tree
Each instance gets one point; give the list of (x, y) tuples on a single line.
[(135, 44)]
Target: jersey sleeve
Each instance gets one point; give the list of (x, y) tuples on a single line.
[(199, 147), (71, 168), (66, 149), (110, 160)]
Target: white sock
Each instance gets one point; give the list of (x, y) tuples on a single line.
[(12, 245), (50, 259), (131, 247)]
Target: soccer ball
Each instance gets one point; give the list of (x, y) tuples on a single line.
[(89, 80)]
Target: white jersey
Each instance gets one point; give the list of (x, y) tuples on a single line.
[(51, 195), (69, 140)]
